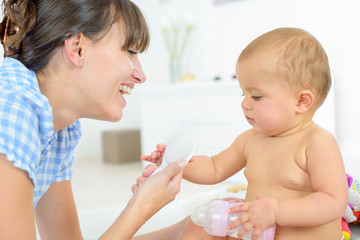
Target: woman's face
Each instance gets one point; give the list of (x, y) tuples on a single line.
[(109, 73)]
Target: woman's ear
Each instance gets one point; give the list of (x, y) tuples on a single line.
[(305, 99), (75, 49)]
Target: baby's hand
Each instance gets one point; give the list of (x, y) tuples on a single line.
[(258, 215), (156, 156)]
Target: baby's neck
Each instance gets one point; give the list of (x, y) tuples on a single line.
[(296, 129)]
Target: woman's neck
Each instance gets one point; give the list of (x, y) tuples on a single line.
[(54, 87)]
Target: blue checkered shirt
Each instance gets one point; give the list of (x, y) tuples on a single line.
[(27, 135)]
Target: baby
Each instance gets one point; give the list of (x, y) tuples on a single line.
[(295, 173)]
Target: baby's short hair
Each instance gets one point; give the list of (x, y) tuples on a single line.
[(302, 61)]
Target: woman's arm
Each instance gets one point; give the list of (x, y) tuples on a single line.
[(16, 202), (153, 194), (57, 218), (56, 215)]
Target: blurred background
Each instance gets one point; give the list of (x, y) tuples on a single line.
[(190, 67), (220, 29)]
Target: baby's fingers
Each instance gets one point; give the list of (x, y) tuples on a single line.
[(161, 147), (240, 220), (144, 157), (149, 169), (244, 207), (153, 157), (255, 234), (247, 227)]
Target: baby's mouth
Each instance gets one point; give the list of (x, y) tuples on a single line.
[(125, 90), (250, 120)]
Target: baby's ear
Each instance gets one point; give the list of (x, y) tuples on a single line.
[(305, 99)]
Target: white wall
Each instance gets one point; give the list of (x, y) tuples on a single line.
[(222, 31)]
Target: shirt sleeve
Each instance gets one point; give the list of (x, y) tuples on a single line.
[(19, 133), (65, 172), (67, 141)]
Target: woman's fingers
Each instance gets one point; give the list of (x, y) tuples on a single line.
[(173, 173), (134, 187), (176, 171), (161, 188), (173, 176)]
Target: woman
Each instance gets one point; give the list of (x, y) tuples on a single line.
[(66, 60)]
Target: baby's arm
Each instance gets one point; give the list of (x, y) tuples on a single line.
[(211, 170), (330, 191)]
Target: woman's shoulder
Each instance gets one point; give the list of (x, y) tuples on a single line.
[(23, 108), (14, 73), (20, 90)]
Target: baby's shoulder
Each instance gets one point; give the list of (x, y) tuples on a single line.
[(242, 139), (317, 135)]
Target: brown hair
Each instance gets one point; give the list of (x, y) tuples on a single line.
[(302, 61), (45, 24)]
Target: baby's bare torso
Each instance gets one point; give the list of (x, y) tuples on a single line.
[(277, 167)]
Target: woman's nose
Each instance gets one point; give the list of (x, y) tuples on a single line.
[(138, 73)]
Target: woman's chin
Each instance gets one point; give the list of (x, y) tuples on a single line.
[(113, 116), (116, 118)]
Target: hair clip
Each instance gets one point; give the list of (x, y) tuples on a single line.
[(7, 29)]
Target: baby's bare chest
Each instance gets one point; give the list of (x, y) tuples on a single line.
[(277, 166)]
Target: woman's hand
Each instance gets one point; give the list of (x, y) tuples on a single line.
[(153, 194), (258, 215), (149, 169), (161, 188), (155, 157)]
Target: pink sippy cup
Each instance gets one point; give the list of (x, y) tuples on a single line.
[(215, 219)]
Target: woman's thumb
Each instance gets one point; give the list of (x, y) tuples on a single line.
[(175, 168)]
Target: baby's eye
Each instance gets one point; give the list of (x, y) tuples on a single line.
[(256, 97), (131, 52)]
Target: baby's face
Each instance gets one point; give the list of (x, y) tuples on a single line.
[(268, 102)]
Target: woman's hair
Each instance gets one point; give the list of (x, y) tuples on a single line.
[(44, 25), (302, 61)]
